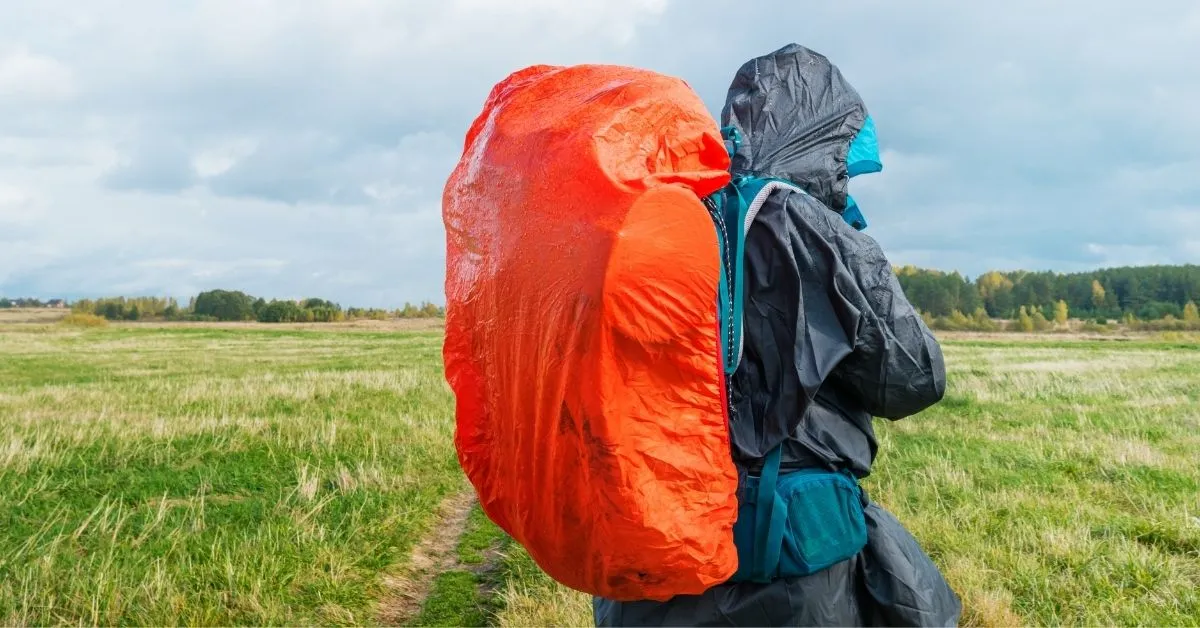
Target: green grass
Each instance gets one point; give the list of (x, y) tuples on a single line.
[(465, 595), (1057, 484), (257, 475), (187, 476)]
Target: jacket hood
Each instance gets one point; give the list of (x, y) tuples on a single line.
[(799, 120)]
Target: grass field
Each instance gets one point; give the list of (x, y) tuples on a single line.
[(166, 475)]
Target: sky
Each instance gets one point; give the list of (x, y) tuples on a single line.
[(295, 148)]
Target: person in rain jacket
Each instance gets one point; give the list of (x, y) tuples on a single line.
[(829, 342)]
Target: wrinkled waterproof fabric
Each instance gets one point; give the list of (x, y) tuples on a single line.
[(582, 329), (830, 341)]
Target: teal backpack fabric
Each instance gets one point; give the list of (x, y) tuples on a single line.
[(797, 523)]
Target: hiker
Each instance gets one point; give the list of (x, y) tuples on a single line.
[(829, 341)]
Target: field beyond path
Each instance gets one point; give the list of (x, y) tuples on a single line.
[(168, 475)]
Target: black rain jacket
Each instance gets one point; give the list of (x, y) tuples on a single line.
[(829, 342)]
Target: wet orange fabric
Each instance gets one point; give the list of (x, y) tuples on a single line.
[(582, 329)]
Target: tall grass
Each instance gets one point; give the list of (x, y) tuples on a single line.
[(167, 477), (1057, 484), (250, 475)]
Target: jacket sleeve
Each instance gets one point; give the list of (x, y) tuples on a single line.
[(896, 367)]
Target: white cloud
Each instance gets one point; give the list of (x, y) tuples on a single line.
[(30, 78), (166, 147)]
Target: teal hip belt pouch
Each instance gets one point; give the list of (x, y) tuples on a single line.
[(798, 523)]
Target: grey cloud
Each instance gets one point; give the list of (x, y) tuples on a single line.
[(160, 166), (180, 140)]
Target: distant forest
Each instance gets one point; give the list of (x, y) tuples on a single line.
[(1031, 300), (1138, 297), (229, 305), (1145, 292)]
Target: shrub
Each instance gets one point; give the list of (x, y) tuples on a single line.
[(83, 320), (1040, 323), (1024, 322)]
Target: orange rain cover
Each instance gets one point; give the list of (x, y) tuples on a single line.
[(582, 341)]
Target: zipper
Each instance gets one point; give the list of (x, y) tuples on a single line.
[(726, 262)]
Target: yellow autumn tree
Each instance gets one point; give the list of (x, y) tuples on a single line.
[(992, 282), (1191, 314), (1061, 312), (1024, 321), (1097, 294), (981, 321)]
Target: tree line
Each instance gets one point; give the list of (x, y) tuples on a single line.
[(235, 305), (1147, 292), (6, 303), (1149, 297), (1132, 295)]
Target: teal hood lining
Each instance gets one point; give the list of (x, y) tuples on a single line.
[(862, 158)]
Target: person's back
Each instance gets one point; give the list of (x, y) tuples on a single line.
[(829, 341)]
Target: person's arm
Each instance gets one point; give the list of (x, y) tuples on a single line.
[(892, 363), (822, 308), (896, 367)]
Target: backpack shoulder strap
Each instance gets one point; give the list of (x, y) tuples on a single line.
[(734, 209)]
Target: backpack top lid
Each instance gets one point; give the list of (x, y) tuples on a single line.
[(582, 344)]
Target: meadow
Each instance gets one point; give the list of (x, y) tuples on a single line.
[(254, 474)]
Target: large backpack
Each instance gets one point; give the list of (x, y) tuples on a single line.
[(583, 336), (594, 247)]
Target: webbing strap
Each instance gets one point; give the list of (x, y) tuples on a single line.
[(770, 518)]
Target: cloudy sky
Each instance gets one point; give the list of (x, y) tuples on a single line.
[(298, 147)]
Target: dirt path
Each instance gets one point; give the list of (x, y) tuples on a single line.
[(406, 591)]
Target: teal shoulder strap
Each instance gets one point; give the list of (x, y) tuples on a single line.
[(734, 209), (770, 518)]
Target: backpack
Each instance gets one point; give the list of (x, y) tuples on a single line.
[(594, 270), (583, 340)]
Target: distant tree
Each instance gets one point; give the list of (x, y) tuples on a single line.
[(1157, 310), (112, 309), (1061, 312), (313, 304), (981, 321), (996, 291), (1039, 321), (5, 303), (281, 312), (1097, 294), (1191, 314), (225, 305), (1024, 321)]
